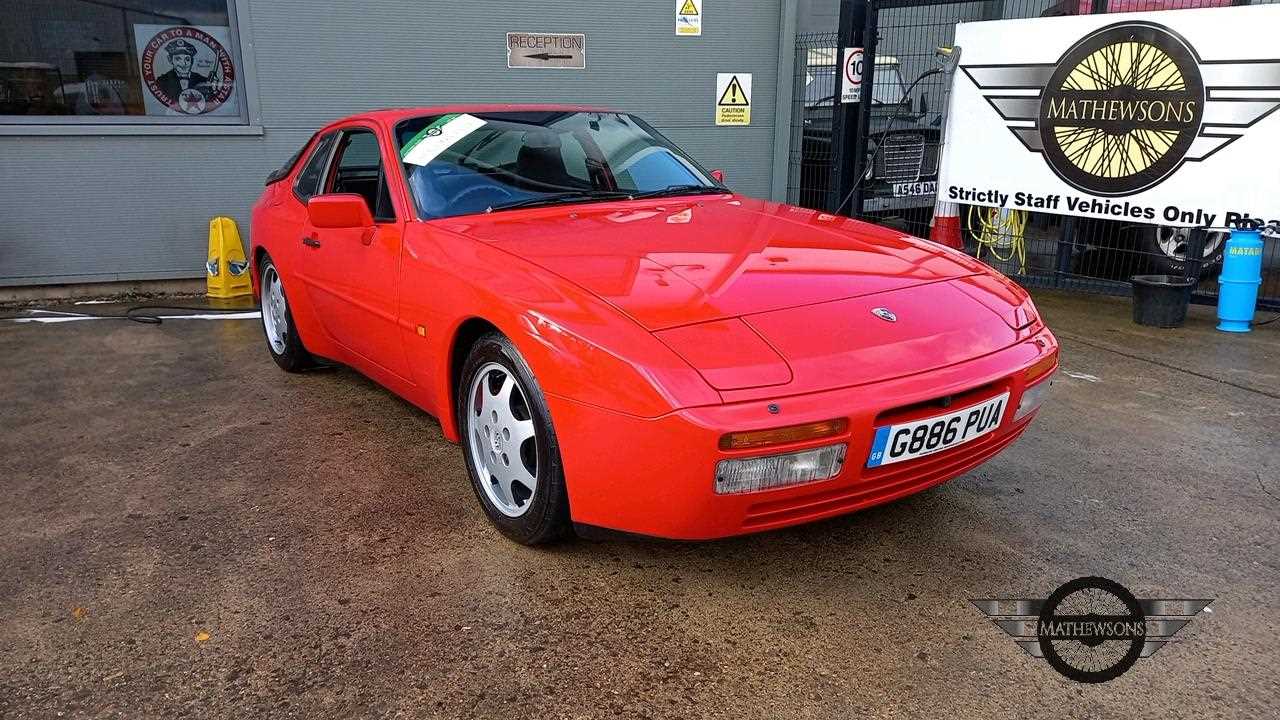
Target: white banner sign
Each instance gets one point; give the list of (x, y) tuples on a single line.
[(1157, 117)]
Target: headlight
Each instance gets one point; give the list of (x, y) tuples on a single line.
[(775, 471), (1032, 398)]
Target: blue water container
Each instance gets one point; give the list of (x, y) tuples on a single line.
[(1241, 276)]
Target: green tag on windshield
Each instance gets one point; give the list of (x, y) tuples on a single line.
[(438, 137)]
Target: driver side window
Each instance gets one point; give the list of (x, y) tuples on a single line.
[(357, 169)]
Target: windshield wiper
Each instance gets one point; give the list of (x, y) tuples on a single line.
[(554, 198), (687, 189)]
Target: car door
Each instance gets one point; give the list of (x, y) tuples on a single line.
[(291, 213), (353, 274)]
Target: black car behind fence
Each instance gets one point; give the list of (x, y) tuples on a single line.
[(901, 152)]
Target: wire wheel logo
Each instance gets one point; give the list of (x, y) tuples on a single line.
[(1121, 109), (1091, 629)]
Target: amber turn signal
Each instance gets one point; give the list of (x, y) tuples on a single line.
[(778, 436), (1041, 367)]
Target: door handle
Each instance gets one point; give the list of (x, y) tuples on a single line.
[(311, 242)]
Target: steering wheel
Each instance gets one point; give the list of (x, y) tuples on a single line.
[(500, 192)]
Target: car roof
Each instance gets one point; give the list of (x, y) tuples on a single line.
[(391, 116)]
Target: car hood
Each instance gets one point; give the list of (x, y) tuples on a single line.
[(683, 261)]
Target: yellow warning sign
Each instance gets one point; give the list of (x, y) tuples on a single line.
[(733, 95), (688, 18), (733, 98)]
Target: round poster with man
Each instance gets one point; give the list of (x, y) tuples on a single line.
[(187, 70)]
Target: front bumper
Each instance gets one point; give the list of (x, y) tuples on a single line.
[(884, 203), (656, 476)]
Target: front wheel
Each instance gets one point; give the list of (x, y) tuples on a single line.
[(509, 444), (283, 341)]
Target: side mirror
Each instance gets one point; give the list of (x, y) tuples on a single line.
[(717, 175), (339, 210)]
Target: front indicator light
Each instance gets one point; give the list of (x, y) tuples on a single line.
[(1041, 367), (742, 475), (777, 436), (1032, 398)]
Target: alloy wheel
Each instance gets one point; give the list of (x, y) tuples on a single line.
[(1174, 241), (274, 310), (502, 439)]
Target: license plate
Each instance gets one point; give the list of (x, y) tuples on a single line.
[(904, 441), (928, 187)]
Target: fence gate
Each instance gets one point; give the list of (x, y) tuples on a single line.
[(898, 160)]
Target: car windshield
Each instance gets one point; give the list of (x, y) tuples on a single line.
[(820, 85), (464, 163)]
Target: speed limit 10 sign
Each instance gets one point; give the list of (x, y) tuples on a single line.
[(851, 86)]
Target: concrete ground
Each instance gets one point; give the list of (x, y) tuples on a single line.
[(189, 531)]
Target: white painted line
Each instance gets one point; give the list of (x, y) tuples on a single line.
[(70, 317), (1081, 376), (56, 312), (215, 316)]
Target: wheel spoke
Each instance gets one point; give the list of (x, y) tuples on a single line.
[(521, 430), (502, 400), (518, 473), (505, 476), (481, 454)]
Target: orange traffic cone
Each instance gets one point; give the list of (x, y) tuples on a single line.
[(944, 228)]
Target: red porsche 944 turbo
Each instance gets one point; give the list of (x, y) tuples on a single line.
[(619, 341)]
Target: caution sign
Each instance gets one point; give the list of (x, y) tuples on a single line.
[(688, 18), (733, 98)]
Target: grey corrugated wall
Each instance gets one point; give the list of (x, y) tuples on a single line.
[(90, 208)]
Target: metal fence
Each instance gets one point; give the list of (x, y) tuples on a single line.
[(901, 158)]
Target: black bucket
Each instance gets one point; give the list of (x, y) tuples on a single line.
[(1161, 300)]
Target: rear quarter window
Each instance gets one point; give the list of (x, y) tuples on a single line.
[(308, 182), (283, 171)]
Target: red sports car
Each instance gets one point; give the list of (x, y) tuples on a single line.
[(619, 341)]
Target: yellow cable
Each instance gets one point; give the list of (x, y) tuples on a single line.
[(995, 232)]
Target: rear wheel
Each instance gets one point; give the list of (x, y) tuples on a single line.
[(510, 445), (283, 341)]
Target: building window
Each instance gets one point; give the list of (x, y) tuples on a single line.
[(120, 61)]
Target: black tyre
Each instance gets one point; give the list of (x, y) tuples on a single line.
[(510, 445), (283, 341)]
